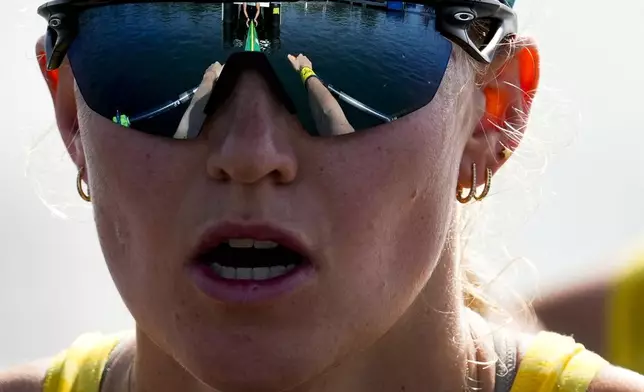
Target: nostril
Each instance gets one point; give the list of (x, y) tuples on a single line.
[(286, 172), (222, 176), (216, 172), (252, 163)]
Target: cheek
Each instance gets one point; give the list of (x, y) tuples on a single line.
[(139, 195), (390, 198)]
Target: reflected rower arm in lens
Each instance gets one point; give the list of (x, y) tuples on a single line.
[(327, 112), (194, 117)]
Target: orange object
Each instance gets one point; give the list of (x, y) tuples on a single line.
[(529, 70), (496, 102), (52, 76)]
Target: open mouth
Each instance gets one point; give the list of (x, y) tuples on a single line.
[(250, 259)]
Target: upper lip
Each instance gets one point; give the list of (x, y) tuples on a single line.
[(220, 233)]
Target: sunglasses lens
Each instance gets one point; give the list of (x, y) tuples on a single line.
[(156, 67)]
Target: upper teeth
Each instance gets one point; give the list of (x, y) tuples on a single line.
[(251, 243)]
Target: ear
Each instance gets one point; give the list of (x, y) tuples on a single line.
[(61, 87), (508, 88)]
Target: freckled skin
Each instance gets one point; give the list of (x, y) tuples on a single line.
[(385, 310), (376, 207)]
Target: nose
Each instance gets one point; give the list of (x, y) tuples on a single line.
[(249, 136)]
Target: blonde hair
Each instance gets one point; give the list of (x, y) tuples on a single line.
[(475, 293)]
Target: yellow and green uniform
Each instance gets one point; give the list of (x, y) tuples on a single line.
[(625, 317), (552, 363)]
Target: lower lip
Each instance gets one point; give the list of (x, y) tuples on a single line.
[(249, 291)]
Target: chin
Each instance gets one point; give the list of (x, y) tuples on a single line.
[(259, 371)]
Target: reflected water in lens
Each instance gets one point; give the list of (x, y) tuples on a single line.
[(391, 62)]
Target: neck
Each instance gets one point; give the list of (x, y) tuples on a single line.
[(430, 347), (395, 362)]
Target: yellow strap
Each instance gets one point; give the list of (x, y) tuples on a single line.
[(80, 367), (580, 372), (556, 363), (306, 73), (625, 317)]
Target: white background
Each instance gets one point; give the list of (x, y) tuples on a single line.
[(569, 204)]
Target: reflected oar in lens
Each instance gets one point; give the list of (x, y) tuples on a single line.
[(357, 104), (185, 97), (252, 45)]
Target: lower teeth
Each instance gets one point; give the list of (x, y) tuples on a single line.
[(261, 273)]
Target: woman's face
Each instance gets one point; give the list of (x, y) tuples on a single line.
[(372, 209)]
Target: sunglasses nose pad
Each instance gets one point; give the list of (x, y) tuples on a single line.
[(218, 85), (236, 65)]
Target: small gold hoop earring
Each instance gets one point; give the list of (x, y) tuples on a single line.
[(79, 185), (472, 191), (470, 194), (486, 188)]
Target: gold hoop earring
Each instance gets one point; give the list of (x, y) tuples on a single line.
[(486, 188), (79, 185), (472, 191), (470, 194)]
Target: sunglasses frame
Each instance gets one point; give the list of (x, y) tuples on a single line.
[(453, 18)]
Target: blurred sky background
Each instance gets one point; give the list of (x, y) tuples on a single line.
[(569, 203)]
